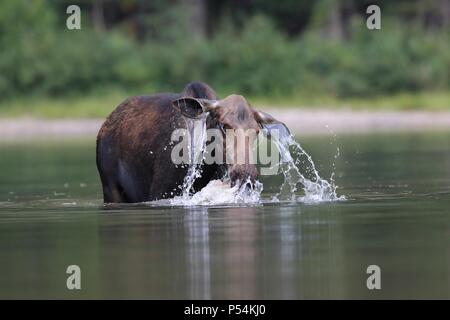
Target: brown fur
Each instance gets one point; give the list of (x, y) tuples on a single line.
[(132, 162), (133, 144)]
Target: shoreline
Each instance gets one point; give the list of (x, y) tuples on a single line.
[(304, 121)]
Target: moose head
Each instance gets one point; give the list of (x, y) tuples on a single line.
[(233, 115)]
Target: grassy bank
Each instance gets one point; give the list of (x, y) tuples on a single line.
[(102, 103)]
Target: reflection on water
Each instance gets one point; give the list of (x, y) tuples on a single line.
[(198, 253), (398, 187)]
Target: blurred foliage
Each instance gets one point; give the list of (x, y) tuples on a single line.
[(254, 53)]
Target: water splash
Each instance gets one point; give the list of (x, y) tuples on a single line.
[(219, 192), (316, 189), (296, 166), (196, 147)]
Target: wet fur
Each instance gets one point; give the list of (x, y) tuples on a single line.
[(131, 160)]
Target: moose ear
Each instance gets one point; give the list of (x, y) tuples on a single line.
[(189, 107), (192, 107), (271, 125)]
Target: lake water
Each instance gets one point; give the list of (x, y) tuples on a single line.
[(396, 216)]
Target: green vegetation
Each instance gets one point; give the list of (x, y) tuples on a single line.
[(47, 70)]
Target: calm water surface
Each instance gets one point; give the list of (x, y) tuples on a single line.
[(397, 216)]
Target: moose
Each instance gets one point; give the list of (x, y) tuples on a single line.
[(133, 160)]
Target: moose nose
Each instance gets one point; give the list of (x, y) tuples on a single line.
[(239, 174)]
